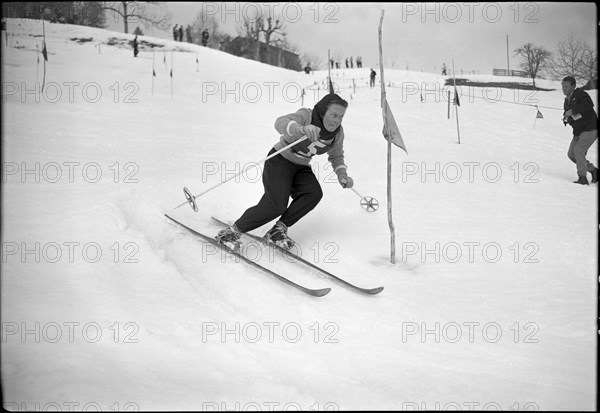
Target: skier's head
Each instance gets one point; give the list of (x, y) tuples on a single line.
[(328, 114), (568, 85)]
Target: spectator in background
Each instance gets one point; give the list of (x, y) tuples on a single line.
[(175, 33), (188, 33), (181, 33), (580, 114), (373, 74), (205, 37), (444, 69), (347, 64), (351, 65)]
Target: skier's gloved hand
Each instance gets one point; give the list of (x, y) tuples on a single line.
[(345, 180), (312, 132)]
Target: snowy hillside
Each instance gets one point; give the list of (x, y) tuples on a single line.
[(491, 303)]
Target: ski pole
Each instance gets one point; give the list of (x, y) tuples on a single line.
[(191, 199), (368, 203)]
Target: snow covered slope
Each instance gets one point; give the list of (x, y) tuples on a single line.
[(105, 303)]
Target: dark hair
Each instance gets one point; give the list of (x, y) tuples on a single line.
[(337, 101), (570, 79)]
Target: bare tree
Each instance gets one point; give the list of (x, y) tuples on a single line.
[(257, 29), (312, 60), (209, 23), (589, 65), (269, 31), (86, 13), (251, 30), (535, 59), (149, 13), (575, 58)]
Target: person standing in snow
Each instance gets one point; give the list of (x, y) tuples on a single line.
[(175, 33), (289, 174), (373, 74), (580, 114)]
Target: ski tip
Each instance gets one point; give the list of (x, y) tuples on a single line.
[(321, 292), (374, 291)]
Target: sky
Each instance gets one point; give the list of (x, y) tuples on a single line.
[(420, 36)]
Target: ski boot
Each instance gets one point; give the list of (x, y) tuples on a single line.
[(278, 236), (230, 237), (595, 175), (582, 180)]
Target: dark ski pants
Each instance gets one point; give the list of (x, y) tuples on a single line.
[(578, 151), (283, 179)]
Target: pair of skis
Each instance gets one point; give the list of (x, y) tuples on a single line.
[(314, 292)]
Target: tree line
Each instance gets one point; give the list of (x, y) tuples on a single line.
[(573, 57), (269, 31)]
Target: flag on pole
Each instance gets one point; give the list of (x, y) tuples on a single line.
[(171, 74), (44, 52), (331, 90), (456, 99), (153, 73), (421, 97), (392, 133), (538, 115)]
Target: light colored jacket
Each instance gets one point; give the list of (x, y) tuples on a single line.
[(303, 152)]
